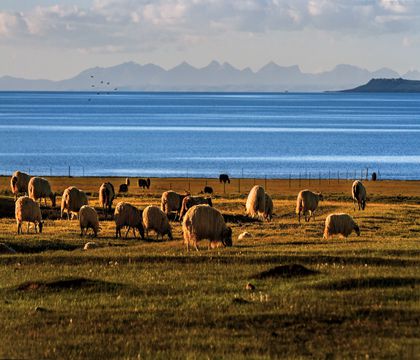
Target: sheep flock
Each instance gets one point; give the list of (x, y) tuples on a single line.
[(197, 216)]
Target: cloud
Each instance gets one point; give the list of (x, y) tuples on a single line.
[(130, 25)]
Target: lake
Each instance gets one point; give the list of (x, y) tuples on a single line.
[(203, 134)]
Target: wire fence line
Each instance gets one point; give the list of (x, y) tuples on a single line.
[(80, 171)]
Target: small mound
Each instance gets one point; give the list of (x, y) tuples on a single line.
[(239, 219), (286, 271), (69, 284)]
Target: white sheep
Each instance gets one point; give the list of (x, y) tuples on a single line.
[(204, 222), (88, 218), (19, 183), (156, 220), (106, 197), (340, 224), (128, 215), (28, 210), (189, 201), (40, 188), (306, 203), (358, 192), (255, 203), (72, 200), (171, 202), (268, 209)]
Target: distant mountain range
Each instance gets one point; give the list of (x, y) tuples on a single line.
[(131, 76), (388, 85)]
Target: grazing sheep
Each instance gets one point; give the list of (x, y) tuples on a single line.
[(268, 209), (19, 183), (155, 219), (72, 200), (106, 197), (207, 190), (358, 193), (307, 203), (88, 218), (27, 209), (204, 222), (224, 178), (190, 201), (171, 202), (144, 183), (128, 215), (123, 188), (255, 204), (127, 181), (39, 188), (342, 224)]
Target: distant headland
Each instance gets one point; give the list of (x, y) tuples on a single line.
[(388, 85)]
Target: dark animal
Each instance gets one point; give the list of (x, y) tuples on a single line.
[(374, 176), (123, 188), (208, 190), (359, 194), (224, 178), (106, 196), (144, 183), (189, 201)]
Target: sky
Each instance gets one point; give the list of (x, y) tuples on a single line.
[(58, 39)]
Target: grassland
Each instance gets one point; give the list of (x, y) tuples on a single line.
[(148, 299)]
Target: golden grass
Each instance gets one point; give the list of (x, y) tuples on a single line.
[(147, 299)]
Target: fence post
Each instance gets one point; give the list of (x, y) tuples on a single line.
[(309, 177), (299, 180), (319, 178), (239, 185), (329, 176), (265, 182), (69, 170)]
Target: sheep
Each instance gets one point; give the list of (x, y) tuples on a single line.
[(307, 202), (128, 215), (190, 201), (27, 209), (207, 190), (88, 218), (155, 219), (127, 181), (255, 204), (19, 183), (72, 200), (224, 178), (144, 183), (358, 192), (204, 222), (342, 224), (171, 202), (39, 188), (106, 197), (268, 209), (123, 188)]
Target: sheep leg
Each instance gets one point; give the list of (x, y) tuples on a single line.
[(299, 217), (19, 227), (28, 228), (126, 234)]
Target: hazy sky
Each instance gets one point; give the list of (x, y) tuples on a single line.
[(57, 39)]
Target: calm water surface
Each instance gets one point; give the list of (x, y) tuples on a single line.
[(203, 134)]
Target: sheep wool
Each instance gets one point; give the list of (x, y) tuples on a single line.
[(190, 201), (128, 215), (306, 204), (358, 192), (106, 197), (171, 202), (27, 209), (340, 224), (72, 200), (255, 203), (40, 188), (19, 183), (88, 219), (204, 222), (155, 219)]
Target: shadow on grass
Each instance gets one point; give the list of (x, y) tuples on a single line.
[(77, 283), (41, 246), (366, 283)]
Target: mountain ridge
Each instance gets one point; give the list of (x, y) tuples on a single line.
[(215, 76)]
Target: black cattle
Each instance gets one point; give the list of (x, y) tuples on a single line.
[(224, 178)]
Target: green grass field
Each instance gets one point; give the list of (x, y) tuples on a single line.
[(147, 299)]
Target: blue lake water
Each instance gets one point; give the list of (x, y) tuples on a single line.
[(204, 134)]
